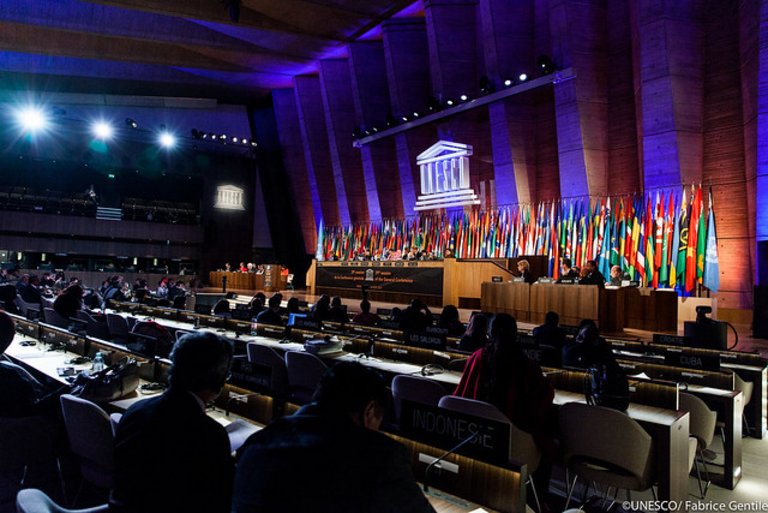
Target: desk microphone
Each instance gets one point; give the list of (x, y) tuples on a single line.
[(447, 453)]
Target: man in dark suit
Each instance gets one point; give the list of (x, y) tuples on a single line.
[(272, 314), (550, 333), (566, 271), (170, 457), (329, 455), (592, 276)]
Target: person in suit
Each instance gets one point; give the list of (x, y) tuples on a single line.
[(170, 457), (550, 333), (617, 276), (329, 456), (31, 293), (524, 268), (566, 271), (272, 314), (592, 276)]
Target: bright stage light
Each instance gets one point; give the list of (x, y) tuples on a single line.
[(102, 130), (167, 140), (31, 119), (523, 77)]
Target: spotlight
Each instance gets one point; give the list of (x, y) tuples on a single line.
[(404, 118), (449, 103), (131, 123), (102, 130), (223, 137), (204, 135), (375, 129), (167, 140), (507, 83), (433, 104), (523, 77), (486, 86), (415, 114), (463, 97), (244, 140), (31, 119), (253, 144), (235, 140), (545, 64)]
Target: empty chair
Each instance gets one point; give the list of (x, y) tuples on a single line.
[(90, 435), (702, 427), (118, 328), (114, 420), (180, 302), (304, 373), (21, 305), (522, 448), (53, 318), (275, 365), (415, 389), (36, 501), (605, 446)]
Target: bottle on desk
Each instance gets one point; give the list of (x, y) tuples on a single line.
[(98, 362)]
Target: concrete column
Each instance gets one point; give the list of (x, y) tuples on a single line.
[(407, 59), (306, 197), (314, 136), (370, 94), (339, 109), (668, 40)]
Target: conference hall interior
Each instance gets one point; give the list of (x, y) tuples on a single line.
[(383, 256)]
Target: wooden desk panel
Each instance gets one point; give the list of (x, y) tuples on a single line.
[(508, 297), (572, 302), (651, 310)]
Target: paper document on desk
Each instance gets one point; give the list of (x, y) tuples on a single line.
[(238, 431)]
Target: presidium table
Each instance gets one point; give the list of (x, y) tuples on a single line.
[(488, 285), (614, 308)]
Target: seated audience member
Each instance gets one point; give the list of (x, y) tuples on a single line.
[(567, 272), (221, 308), (23, 395), (449, 320), (416, 317), (162, 289), (4, 276), (92, 300), (31, 293), (365, 317), (8, 297), (272, 314), (69, 302), (592, 276), (590, 351), (395, 315), (333, 449), (293, 306), (550, 333), (476, 335), (114, 291), (21, 284), (256, 305), (321, 310), (524, 268), (170, 457), (337, 312), (500, 373)]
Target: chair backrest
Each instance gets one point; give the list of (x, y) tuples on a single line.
[(181, 333), (702, 421), (304, 373), (31, 500), (416, 389), (21, 305), (268, 357), (118, 326), (114, 420), (606, 437), (745, 387), (522, 448), (90, 436), (53, 317)]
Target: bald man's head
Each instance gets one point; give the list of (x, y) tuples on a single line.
[(7, 331)]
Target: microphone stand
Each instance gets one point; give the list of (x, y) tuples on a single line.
[(447, 453)]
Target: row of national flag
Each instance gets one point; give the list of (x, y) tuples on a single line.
[(663, 239)]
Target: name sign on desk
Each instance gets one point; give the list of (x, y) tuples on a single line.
[(567, 282), (413, 279), (670, 340), (497, 279), (443, 428), (692, 360), (252, 376), (426, 340)]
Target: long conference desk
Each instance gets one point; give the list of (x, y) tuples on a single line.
[(668, 427), (613, 308), (270, 280), (498, 489)]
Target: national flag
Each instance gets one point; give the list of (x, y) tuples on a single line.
[(712, 266), (682, 252), (701, 240), (693, 228), (667, 242)]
